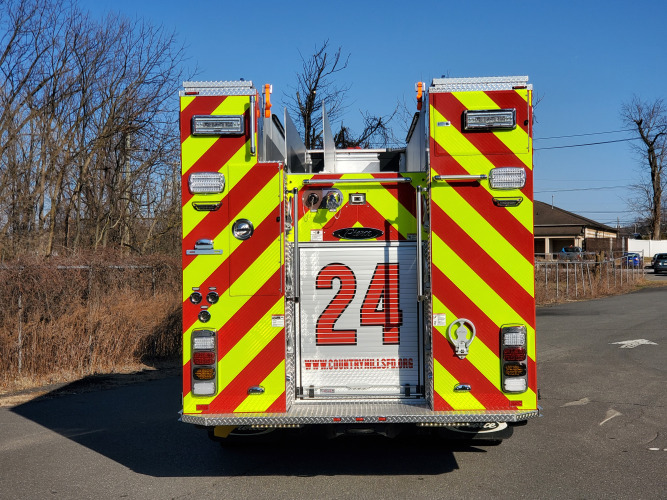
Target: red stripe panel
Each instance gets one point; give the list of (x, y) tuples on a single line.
[(482, 264), (219, 279), (213, 159), (486, 142), (246, 317), (278, 406), (203, 105), (250, 250), (440, 404), (239, 196), (482, 202), (224, 275), (367, 216), (511, 99), (463, 371), (462, 306), (253, 374), (406, 195), (187, 375)]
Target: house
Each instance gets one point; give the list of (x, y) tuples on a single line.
[(556, 228)]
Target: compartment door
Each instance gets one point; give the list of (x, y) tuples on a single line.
[(359, 321)]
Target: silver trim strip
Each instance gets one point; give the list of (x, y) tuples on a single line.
[(420, 257), (384, 180), (324, 413)]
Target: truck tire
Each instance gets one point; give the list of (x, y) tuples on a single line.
[(244, 435), (484, 433)]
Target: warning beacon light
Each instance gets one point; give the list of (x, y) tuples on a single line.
[(217, 125), (489, 119), (507, 178), (206, 183)]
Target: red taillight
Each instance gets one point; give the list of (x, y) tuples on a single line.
[(203, 363), (514, 353), (203, 358)]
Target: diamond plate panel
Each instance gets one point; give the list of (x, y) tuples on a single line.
[(440, 85), (219, 88), (349, 413)]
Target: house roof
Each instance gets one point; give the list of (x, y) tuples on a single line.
[(553, 220)]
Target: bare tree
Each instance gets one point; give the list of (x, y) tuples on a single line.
[(650, 121), (376, 132), (315, 85), (88, 130)]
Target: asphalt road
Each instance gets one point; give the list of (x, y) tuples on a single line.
[(603, 434)]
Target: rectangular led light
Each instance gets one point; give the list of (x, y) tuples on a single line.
[(489, 119), (515, 384), (509, 354), (207, 357), (204, 373), (507, 178), (203, 388), (514, 335), (217, 125), (206, 183), (203, 343)]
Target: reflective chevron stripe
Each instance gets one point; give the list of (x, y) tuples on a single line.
[(247, 275), (482, 255), (390, 207)]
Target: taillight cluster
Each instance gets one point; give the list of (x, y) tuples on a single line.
[(204, 362), (514, 358)]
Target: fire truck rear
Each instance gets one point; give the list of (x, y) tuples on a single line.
[(367, 290)]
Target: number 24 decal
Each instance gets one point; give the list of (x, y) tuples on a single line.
[(379, 308)]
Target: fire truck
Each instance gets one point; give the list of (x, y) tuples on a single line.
[(360, 290)]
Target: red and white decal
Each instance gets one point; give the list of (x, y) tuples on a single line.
[(359, 319)]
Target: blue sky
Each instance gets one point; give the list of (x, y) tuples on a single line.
[(584, 59)]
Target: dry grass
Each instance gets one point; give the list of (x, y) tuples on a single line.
[(63, 320), (67, 319), (556, 282)]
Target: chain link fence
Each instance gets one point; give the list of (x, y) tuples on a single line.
[(560, 277)]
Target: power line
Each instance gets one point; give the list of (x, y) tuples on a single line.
[(582, 135), (587, 144), (580, 189), (602, 211), (541, 180)]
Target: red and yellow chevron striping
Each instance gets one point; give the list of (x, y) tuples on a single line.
[(482, 254), (389, 207), (247, 275)]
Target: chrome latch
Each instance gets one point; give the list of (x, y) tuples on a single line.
[(460, 338), (255, 389), (204, 247)]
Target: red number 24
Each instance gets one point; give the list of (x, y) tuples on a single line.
[(379, 308)]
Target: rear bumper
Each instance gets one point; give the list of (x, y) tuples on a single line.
[(335, 413)]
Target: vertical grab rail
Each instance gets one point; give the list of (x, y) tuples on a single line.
[(295, 226), (253, 147), (420, 278)]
